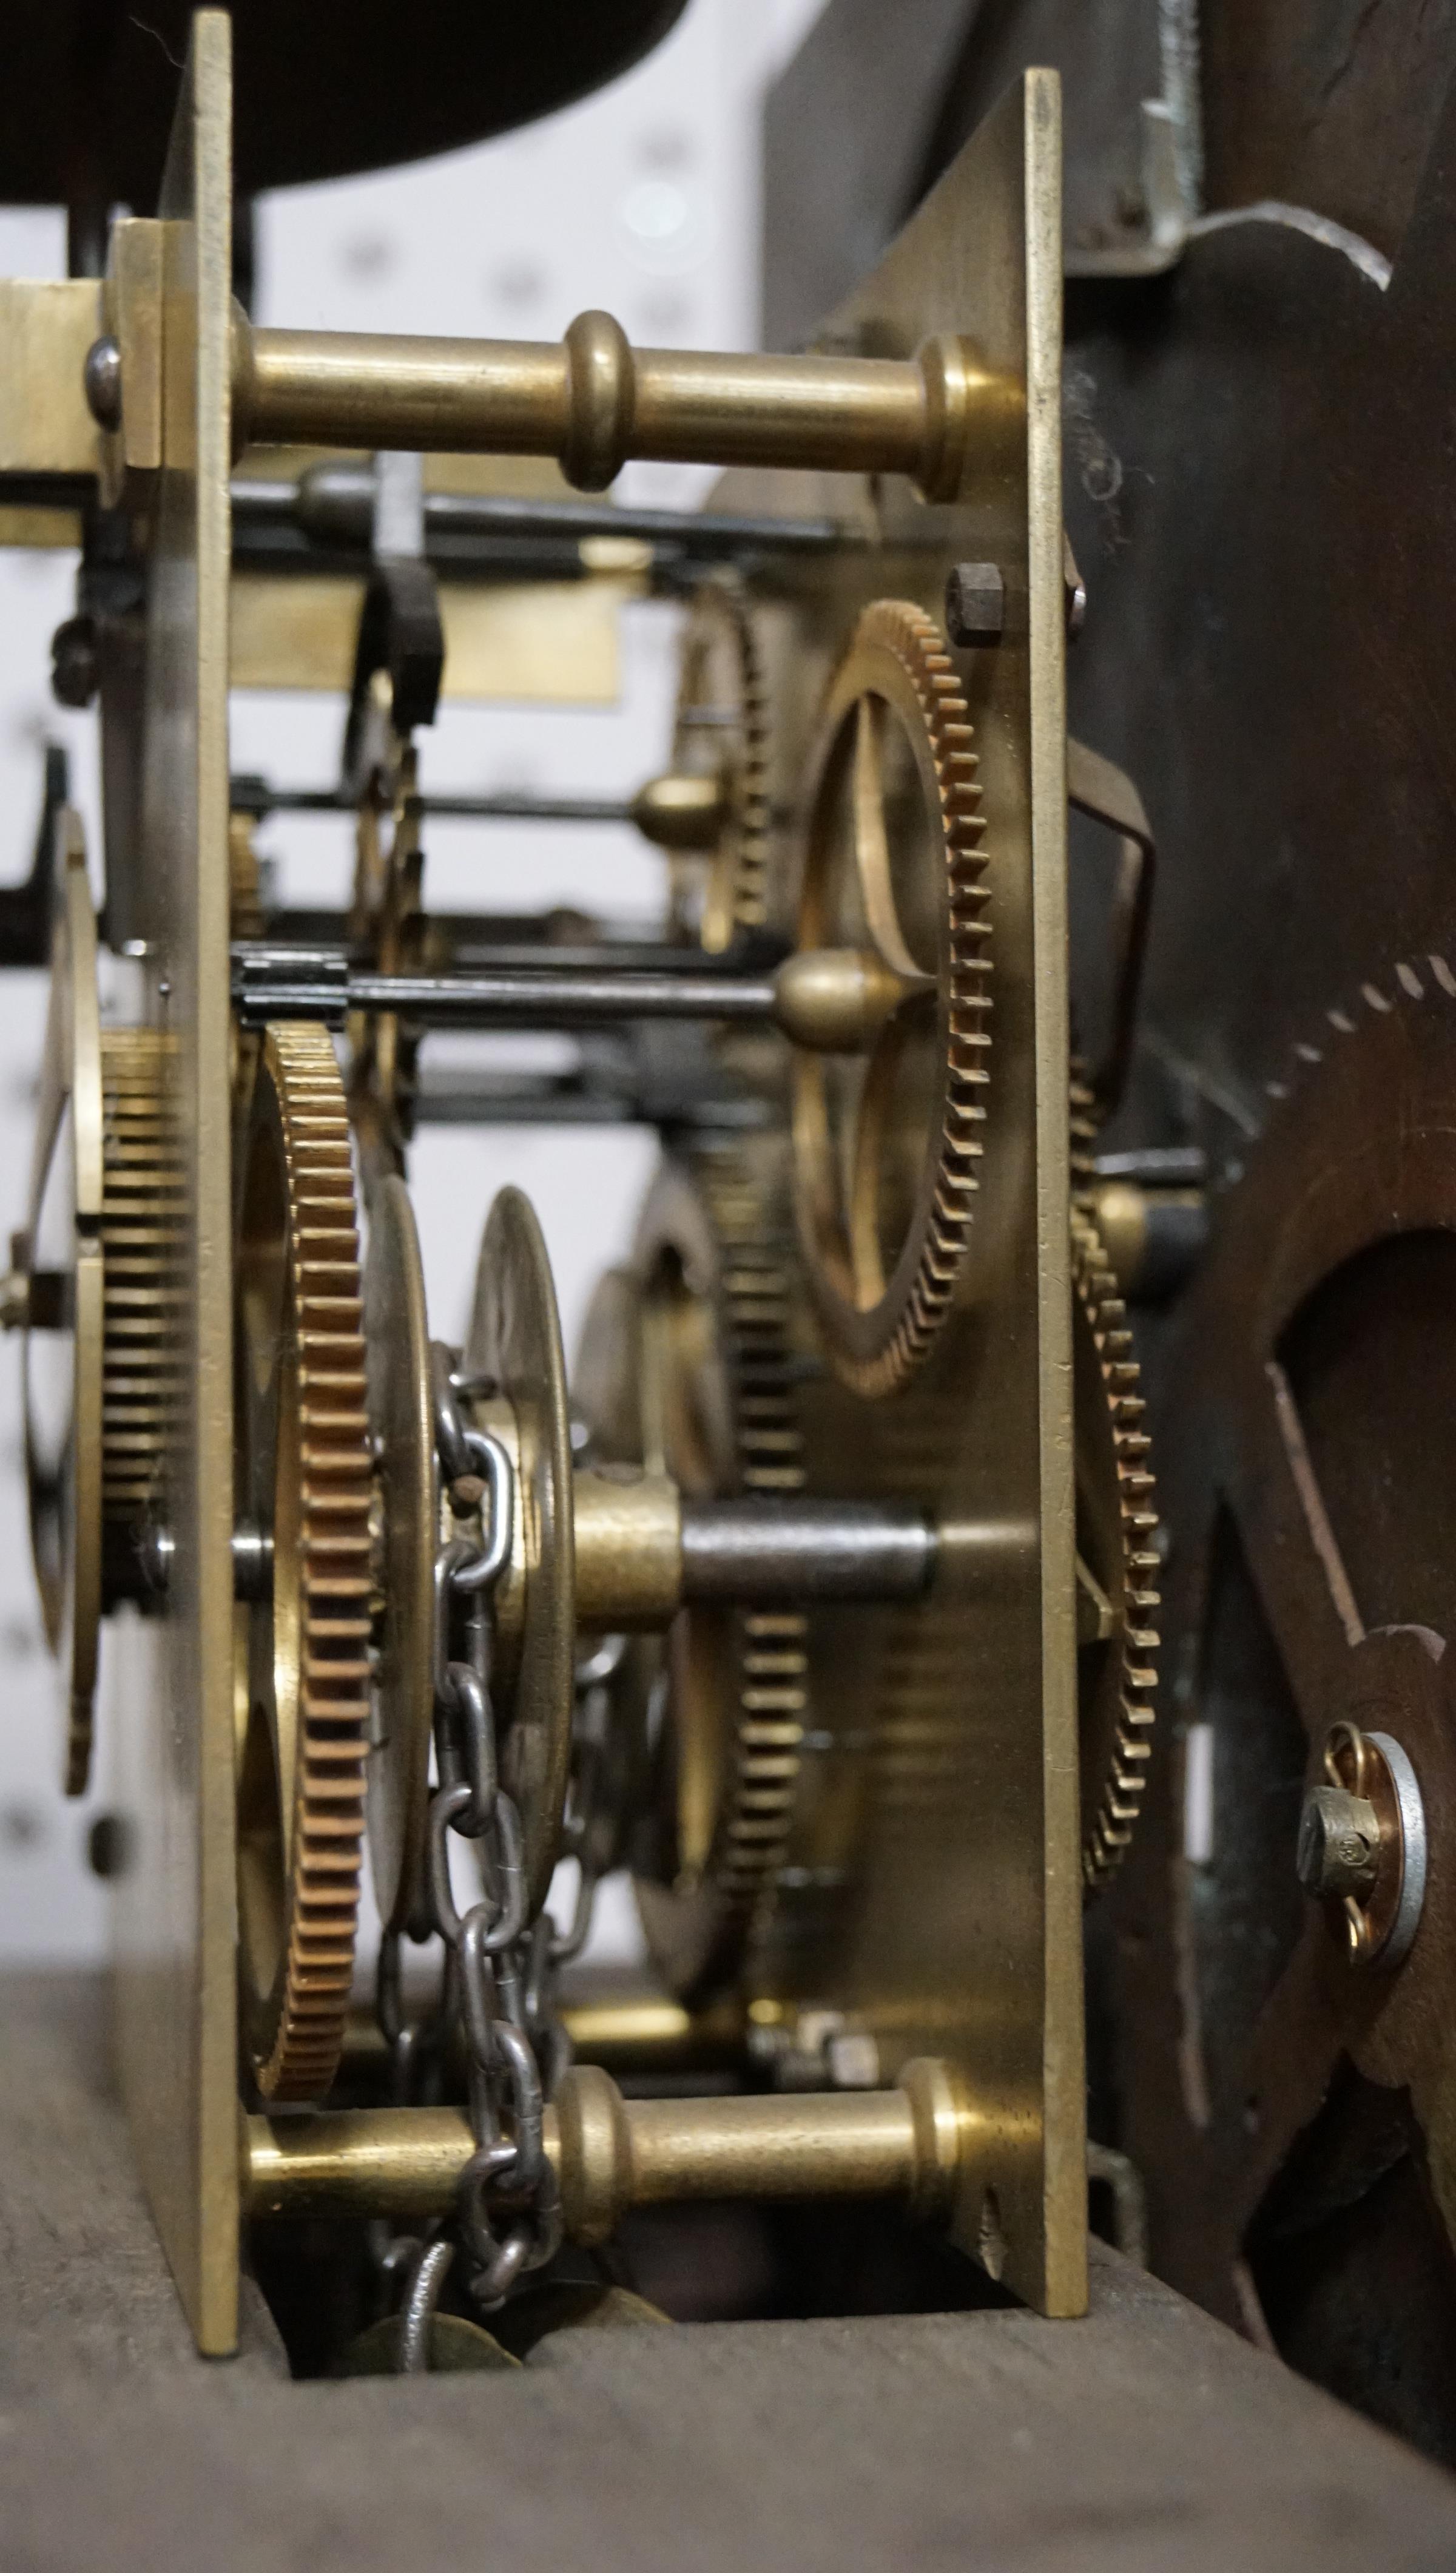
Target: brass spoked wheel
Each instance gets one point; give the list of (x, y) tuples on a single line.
[(887, 1144), (302, 1509), (721, 731)]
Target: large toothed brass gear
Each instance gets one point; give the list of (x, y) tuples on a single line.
[(1116, 1565), (719, 1414), (304, 1500), (721, 730), (1292, 2106), (887, 1146)]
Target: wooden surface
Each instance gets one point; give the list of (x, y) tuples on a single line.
[(1145, 2439), (87, 2301)]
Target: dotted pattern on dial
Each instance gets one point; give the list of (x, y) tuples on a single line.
[(326, 1316)]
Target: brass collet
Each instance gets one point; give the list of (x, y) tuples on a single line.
[(593, 402), (643, 1550), (611, 2154)]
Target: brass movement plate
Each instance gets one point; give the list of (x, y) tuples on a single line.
[(939, 1807), (176, 1987), (957, 1723), (541, 644)]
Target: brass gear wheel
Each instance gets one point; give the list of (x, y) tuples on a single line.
[(65, 1310), (720, 1414), (388, 920), (141, 1201), (1117, 1565), (888, 1148), (1292, 2109), (306, 1487), (722, 727)]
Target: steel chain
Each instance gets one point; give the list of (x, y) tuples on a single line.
[(497, 1980)]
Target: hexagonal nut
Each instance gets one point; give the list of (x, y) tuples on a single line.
[(1339, 1844)]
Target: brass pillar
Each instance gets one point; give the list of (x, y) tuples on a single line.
[(611, 2154), (593, 402)]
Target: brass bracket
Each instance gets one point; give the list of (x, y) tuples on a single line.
[(46, 328)]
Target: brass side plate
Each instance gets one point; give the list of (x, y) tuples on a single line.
[(550, 643), (176, 1985), (947, 1763)]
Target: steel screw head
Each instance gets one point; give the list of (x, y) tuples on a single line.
[(1339, 1844), (103, 380), (75, 672)]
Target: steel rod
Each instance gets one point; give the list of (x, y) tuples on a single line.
[(761, 1551), (568, 1101), (643, 2034), (502, 941), (521, 998), (252, 795), (335, 504)]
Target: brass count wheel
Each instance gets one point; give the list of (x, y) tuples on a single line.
[(514, 1366), (304, 1497), (401, 1420), (886, 1146), (65, 1322)]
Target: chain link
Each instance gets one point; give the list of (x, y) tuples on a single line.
[(498, 1985)]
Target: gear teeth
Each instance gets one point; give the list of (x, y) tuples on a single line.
[(757, 1288), (904, 629), (1108, 1825), (325, 1301), (720, 610), (142, 1185)]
